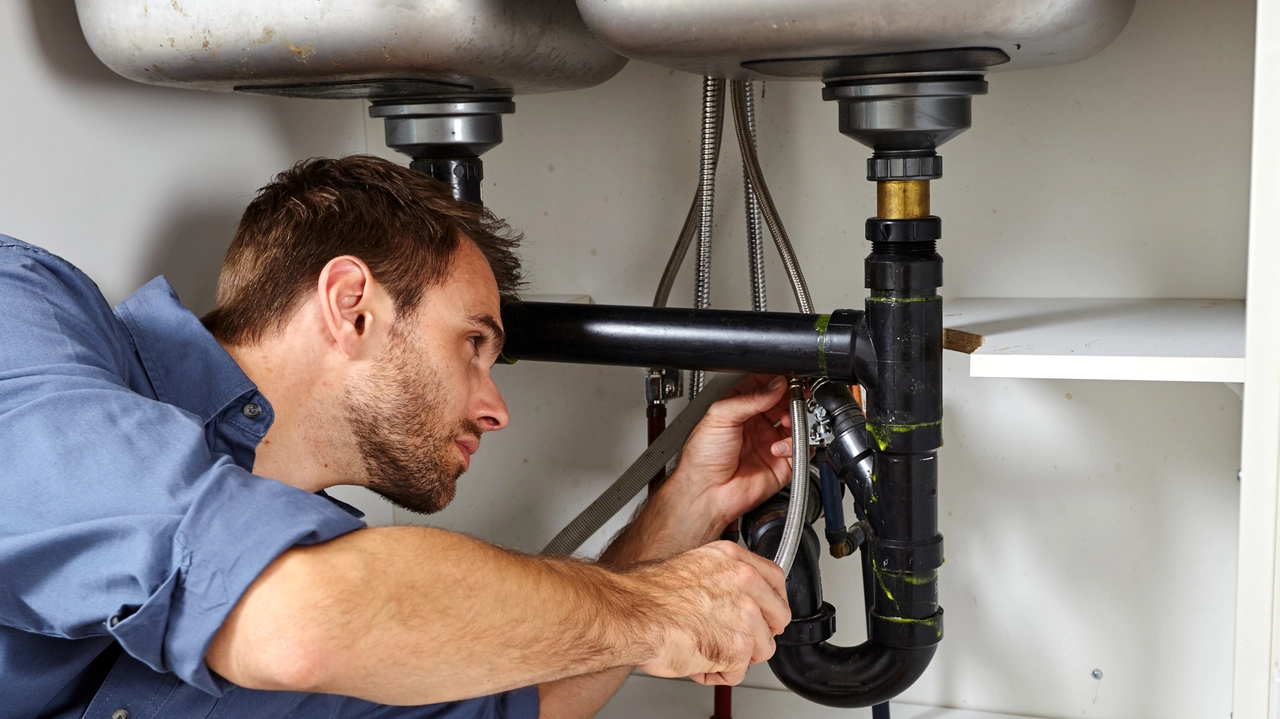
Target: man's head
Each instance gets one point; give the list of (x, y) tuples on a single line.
[(364, 301)]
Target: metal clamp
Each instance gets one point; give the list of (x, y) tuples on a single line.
[(662, 384), (819, 425)]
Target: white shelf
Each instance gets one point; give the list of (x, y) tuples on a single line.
[(1120, 339), (644, 696)]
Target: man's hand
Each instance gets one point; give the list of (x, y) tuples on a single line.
[(708, 614), (738, 456), (719, 607)]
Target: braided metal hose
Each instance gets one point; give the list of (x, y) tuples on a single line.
[(678, 253), (755, 230), (687, 233), (751, 164), (793, 529), (712, 121)]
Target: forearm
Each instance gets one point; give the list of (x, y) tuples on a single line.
[(667, 524), (646, 538), (410, 615), (580, 697)]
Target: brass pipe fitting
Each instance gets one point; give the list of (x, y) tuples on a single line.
[(902, 199)]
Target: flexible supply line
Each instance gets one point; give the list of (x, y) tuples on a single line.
[(751, 163), (755, 231), (712, 122), (794, 527), (678, 253), (665, 448), (687, 233)]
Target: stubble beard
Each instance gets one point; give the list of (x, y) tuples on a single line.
[(406, 441)]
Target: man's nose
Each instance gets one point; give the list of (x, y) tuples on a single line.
[(489, 409)]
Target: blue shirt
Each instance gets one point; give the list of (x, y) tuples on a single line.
[(130, 519)]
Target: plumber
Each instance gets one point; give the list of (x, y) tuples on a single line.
[(166, 545)]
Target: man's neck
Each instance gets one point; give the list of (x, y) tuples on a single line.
[(309, 445)]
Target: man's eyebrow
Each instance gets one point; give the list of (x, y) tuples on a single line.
[(488, 322)]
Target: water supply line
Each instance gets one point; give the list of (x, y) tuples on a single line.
[(799, 497), (751, 165), (712, 122), (755, 234)]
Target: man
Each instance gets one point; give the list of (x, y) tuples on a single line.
[(166, 547)]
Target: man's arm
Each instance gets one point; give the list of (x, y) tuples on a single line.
[(412, 615)]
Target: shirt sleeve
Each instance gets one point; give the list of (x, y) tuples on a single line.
[(115, 517)]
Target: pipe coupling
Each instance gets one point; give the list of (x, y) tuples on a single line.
[(905, 633), (810, 630)]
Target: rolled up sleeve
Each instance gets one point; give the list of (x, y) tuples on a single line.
[(115, 516), (237, 525)]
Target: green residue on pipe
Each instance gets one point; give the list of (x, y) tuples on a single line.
[(931, 622), (927, 621), (913, 578), (821, 326), (883, 587), (882, 432)]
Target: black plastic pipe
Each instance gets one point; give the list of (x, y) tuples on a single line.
[(462, 174), (870, 673), (719, 340), (903, 426)]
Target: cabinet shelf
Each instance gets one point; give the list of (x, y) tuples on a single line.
[(1169, 340)]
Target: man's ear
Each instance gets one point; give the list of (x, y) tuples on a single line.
[(346, 289)]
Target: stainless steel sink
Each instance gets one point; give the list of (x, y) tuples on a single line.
[(754, 39), (328, 48)]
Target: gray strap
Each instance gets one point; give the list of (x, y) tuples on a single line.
[(664, 448)]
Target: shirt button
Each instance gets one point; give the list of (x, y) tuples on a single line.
[(252, 410), (114, 621), (120, 714)]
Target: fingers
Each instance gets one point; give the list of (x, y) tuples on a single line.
[(770, 592), (781, 448), (763, 646), (735, 410)]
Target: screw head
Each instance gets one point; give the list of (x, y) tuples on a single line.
[(1096, 673)]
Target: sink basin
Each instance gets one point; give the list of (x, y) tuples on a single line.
[(380, 50), (809, 39)]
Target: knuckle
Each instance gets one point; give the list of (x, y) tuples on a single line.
[(744, 574)]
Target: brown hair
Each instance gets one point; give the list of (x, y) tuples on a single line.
[(404, 225)]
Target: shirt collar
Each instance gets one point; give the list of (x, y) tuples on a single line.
[(186, 365)]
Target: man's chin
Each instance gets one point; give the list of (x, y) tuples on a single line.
[(429, 501)]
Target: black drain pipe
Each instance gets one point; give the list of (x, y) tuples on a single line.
[(784, 343), (900, 557), (903, 551)]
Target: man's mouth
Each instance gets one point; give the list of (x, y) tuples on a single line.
[(467, 447)]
